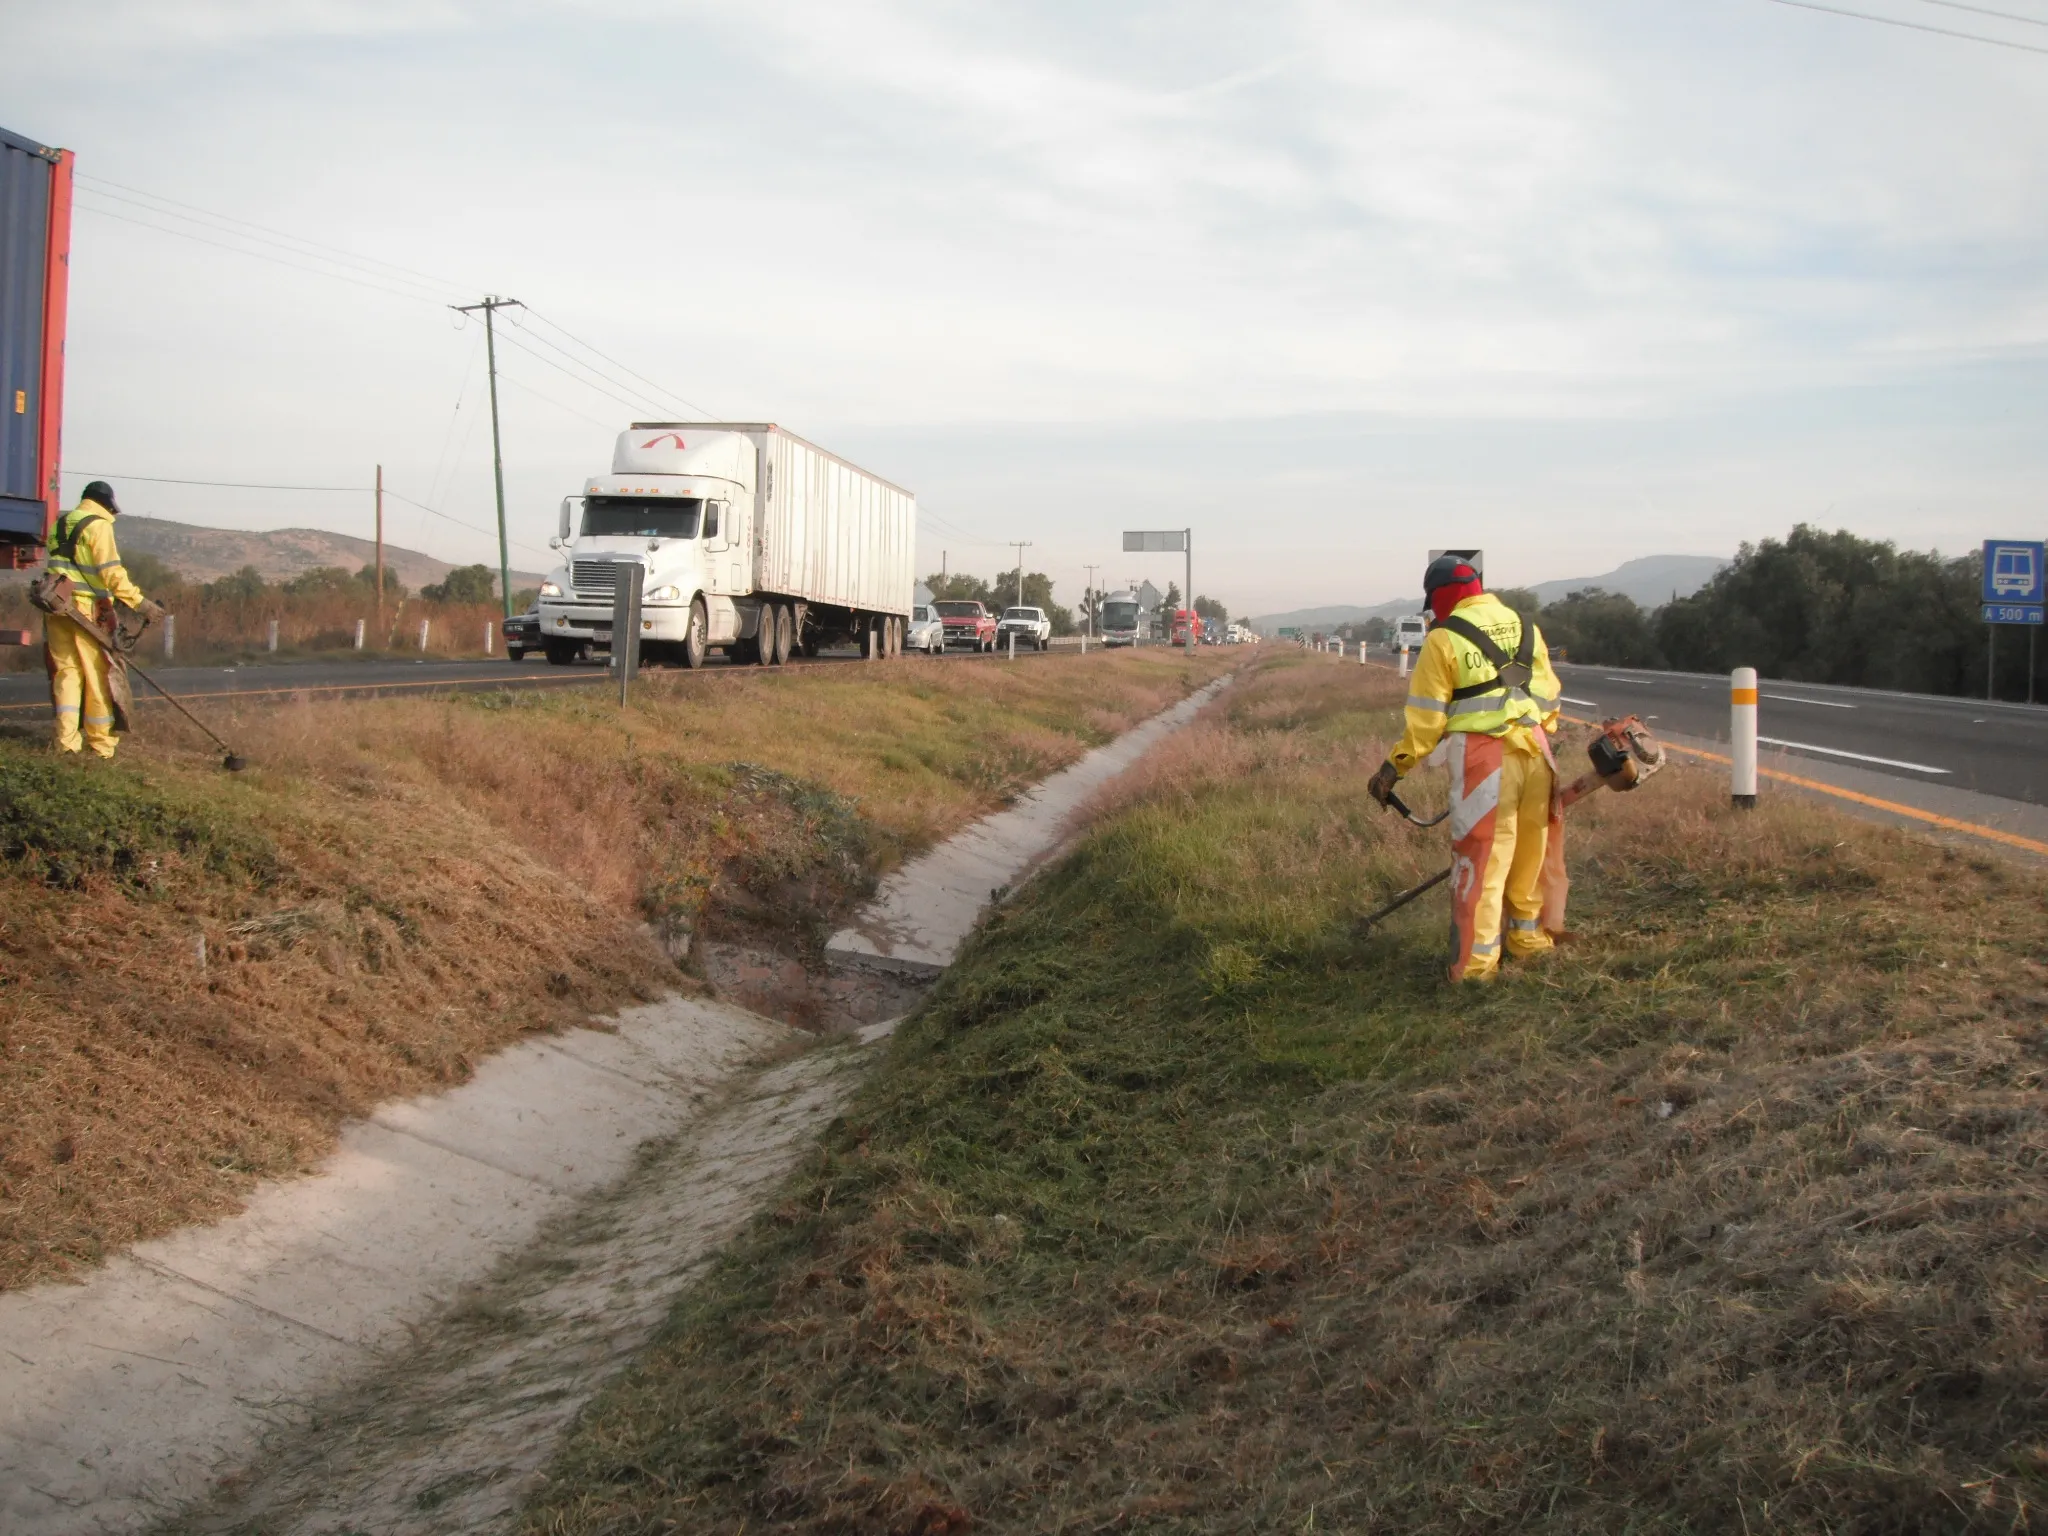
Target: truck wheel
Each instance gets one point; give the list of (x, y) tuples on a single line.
[(562, 653), (695, 647), (764, 637), (895, 638), (785, 633)]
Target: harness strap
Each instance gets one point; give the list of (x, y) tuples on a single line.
[(72, 528), (1513, 683)]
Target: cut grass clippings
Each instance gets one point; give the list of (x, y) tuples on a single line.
[(202, 975), (1181, 1207)]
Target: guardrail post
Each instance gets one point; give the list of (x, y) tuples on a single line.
[(488, 636), (1404, 661), (170, 635), (1742, 738), (273, 634), (359, 634), (423, 634), (1013, 645)]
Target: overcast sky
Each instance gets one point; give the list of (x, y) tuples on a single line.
[(1573, 280)]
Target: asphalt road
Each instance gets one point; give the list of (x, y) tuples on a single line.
[(27, 694), (1995, 749)]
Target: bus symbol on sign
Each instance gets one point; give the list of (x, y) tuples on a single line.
[(2012, 571)]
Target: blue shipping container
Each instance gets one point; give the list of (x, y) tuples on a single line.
[(35, 251)]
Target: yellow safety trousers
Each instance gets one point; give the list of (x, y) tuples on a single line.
[(78, 688), (1507, 839)]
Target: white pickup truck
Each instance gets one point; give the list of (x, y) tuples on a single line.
[(1030, 625)]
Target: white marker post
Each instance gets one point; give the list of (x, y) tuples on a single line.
[(489, 634), (1404, 661), (1742, 738), (423, 635), (170, 635), (273, 634), (1013, 645), (359, 634)]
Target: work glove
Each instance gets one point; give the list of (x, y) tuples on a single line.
[(1381, 785), (153, 610)]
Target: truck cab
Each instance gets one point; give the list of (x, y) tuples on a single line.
[(680, 513)]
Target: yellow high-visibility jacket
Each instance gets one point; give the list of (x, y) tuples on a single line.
[(1449, 662), (95, 565)]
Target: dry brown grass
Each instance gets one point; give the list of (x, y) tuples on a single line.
[(397, 888), (1183, 1208)]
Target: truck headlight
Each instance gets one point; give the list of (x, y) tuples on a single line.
[(550, 589), (663, 595)]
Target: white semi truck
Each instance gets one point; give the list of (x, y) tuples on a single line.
[(750, 540)]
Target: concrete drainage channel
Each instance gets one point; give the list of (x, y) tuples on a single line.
[(397, 1343)]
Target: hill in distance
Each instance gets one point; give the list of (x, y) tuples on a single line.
[(207, 554), (1651, 581)]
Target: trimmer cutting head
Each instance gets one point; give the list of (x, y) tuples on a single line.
[(233, 763)]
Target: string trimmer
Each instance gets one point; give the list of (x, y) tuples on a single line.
[(1623, 755)]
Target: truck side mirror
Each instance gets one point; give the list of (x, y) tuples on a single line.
[(562, 529)]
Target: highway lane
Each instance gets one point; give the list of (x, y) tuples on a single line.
[(1994, 749)]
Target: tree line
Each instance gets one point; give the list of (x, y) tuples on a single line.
[(1813, 607)]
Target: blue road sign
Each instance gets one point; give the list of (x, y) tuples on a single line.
[(2013, 573), (2014, 613)]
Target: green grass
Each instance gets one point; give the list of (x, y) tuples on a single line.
[(1180, 1207)]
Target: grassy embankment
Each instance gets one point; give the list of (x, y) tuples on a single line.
[(201, 976), (1180, 1207)]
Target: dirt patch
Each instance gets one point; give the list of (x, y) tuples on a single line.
[(452, 1436)]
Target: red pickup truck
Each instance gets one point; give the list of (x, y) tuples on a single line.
[(967, 623)]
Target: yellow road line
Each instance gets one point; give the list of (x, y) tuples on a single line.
[(1946, 823)]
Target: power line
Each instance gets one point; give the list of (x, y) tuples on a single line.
[(221, 245), (700, 410), (288, 246), (506, 378), (1911, 26), (631, 402), (266, 229), (233, 485), (1957, 5)]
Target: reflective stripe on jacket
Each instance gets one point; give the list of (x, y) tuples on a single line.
[(82, 547), (1449, 663)]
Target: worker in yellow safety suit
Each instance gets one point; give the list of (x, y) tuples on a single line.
[(1483, 702), (81, 546)]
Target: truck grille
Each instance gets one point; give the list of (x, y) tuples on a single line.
[(595, 578)]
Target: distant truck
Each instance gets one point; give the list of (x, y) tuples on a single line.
[(1408, 633), (1186, 626), (1122, 617), (749, 540)]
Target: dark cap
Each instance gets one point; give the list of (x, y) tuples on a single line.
[(102, 493), (1446, 571)]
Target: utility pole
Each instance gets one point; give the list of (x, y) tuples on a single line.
[(1020, 545), (490, 306), (380, 554), (1088, 603)]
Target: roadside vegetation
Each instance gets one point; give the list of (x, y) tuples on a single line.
[(1182, 1206), (202, 975)]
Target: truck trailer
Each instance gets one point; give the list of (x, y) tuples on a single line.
[(35, 260), (750, 540)]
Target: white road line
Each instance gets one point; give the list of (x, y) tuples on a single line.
[(1790, 698), (1633, 682), (1582, 703), (1860, 757)]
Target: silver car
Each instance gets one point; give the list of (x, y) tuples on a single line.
[(927, 631)]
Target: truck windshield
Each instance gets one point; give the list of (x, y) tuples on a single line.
[(1021, 613), (641, 517), (1119, 615), (959, 610)]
